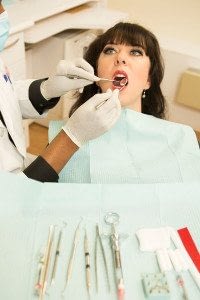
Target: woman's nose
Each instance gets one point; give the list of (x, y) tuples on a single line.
[(120, 61)]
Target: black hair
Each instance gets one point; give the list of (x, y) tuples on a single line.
[(135, 35)]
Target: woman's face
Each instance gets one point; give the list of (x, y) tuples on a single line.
[(129, 63)]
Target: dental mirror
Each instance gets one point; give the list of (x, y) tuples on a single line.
[(111, 218)]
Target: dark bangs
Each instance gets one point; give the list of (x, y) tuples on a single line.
[(128, 35), (121, 33)]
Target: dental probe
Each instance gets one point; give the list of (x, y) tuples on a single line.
[(121, 82), (98, 240), (87, 263), (112, 219), (42, 284), (79, 77), (72, 255), (53, 274), (105, 79), (118, 84)]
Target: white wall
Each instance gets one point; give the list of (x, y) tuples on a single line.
[(177, 26), (177, 18)]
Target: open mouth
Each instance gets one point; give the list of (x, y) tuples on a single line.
[(120, 80)]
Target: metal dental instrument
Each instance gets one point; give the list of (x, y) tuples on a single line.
[(105, 79), (87, 263), (100, 104), (40, 266), (99, 240), (53, 274), (42, 283), (72, 256), (112, 219), (117, 83), (79, 77), (121, 82)]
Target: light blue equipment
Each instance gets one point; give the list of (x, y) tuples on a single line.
[(4, 29), (8, 2), (28, 208), (156, 286), (138, 149)]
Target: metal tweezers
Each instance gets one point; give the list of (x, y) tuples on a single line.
[(98, 239)]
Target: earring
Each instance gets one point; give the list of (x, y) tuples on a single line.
[(144, 94)]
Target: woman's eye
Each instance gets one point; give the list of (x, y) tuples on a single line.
[(109, 50), (137, 52)]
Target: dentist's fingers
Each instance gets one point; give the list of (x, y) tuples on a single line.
[(78, 68), (88, 123), (110, 109), (77, 71), (82, 63), (110, 115), (113, 116), (99, 98), (112, 102)]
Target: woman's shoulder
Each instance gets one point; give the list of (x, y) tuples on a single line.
[(174, 129), (154, 121), (171, 124)]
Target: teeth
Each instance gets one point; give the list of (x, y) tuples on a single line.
[(120, 75)]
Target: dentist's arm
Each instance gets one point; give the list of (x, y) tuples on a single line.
[(48, 165), (45, 93), (70, 75), (85, 124)]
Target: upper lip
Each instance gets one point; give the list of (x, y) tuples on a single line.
[(120, 72)]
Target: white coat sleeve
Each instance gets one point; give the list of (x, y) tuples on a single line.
[(31, 102), (21, 90)]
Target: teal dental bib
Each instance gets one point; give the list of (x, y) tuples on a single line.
[(138, 149)]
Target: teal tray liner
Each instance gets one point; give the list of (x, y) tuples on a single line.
[(27, 209)]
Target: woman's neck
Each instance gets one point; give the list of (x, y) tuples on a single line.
[(135, 106)]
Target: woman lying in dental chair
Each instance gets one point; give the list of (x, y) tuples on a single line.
[(142, 147)]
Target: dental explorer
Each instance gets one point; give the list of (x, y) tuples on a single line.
[(112, 219), (72, 256)]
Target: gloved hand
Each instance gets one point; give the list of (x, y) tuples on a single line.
[(63, 81), (94, 117)]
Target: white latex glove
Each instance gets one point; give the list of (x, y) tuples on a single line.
[(89, 122), (63, 81)]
